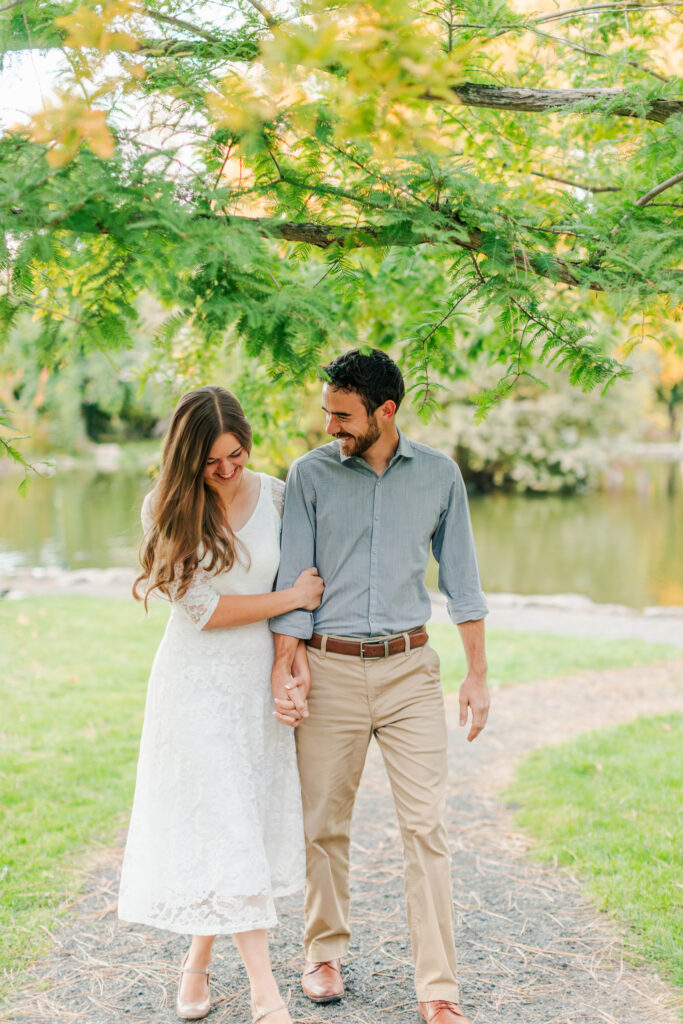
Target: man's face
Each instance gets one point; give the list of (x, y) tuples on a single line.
[(347, 419)]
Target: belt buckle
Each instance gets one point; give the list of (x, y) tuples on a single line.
[(373, 657)]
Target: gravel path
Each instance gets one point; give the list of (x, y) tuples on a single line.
[(531, 948)]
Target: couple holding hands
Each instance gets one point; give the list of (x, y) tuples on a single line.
[(262, 702)]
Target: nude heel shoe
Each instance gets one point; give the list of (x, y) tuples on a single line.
[(192, 1011), (259, 1015)]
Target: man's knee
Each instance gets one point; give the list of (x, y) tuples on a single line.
[(425, 833)]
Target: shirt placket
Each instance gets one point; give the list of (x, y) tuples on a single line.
[(373, 612)]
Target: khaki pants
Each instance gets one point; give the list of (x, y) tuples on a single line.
[(398, 700)]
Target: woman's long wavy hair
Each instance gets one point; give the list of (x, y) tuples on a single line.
[(188, 518)]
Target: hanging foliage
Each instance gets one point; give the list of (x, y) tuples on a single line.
[(298, 179)]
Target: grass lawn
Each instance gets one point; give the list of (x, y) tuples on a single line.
[(608, 805), (526, 657), (73, 675)]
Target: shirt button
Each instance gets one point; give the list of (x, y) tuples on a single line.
[(374, 551), (374, 586), (371, 619), (377, 484), (376, 517)]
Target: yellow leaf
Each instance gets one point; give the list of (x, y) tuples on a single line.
[(93, 129), (58, 156), (84, 27), (120, 41), (238, 106), (118, 9), (134, 70), (63, 128)]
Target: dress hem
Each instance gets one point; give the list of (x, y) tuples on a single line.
[(188, 928)]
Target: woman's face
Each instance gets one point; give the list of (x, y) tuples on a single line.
[(224, 466)]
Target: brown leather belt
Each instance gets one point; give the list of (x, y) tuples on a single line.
[(371, 649)]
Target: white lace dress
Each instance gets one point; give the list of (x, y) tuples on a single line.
[(216, 829)]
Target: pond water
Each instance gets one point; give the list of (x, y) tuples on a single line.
[(623, 546)]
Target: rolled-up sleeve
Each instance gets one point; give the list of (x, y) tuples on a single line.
[(453, 549), (297, 551)]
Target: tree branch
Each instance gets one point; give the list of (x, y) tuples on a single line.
[(265, 14), (673, 180), (323, 236), (185, 26), (469, 94), (536, 101), (570, 12), (600, 53), (15, 3), (550, 230), (584, 186), (645, 199), (527, 25)]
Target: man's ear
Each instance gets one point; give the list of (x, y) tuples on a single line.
[(388, 409)]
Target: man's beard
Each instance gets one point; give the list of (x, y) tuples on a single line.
[(361, 443)]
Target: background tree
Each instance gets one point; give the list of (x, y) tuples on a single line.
[(392, 173), (669, 389)]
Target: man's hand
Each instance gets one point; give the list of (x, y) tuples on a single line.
[(474, 694), (290, 681)]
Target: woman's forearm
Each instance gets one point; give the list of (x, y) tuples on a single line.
[(243, 609)]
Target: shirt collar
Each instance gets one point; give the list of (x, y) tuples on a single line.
[(405, 449)]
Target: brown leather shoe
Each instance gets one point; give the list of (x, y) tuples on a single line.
[(440, 1011), (322, 982)]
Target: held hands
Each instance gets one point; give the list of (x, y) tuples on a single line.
[(308, 588), (292, 709), (290, 689), (474, 694)]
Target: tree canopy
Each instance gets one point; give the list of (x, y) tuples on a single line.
[(455, 179)]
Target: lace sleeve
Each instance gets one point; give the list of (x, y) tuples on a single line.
[(277, 493), (199, 600)]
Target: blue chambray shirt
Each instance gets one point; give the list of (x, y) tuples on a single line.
[(369, 537)]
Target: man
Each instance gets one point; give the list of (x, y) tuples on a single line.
[(364, 510)]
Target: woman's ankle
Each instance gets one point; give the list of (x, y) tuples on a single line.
[(266, 996), (199, 957)]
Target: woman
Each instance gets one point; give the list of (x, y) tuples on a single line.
[(216, 827)]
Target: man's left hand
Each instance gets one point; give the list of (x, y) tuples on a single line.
[(474, 695)]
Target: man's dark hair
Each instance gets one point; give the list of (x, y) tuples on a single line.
[(372, 375)]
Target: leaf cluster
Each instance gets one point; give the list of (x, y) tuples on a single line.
[(296, 185)]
